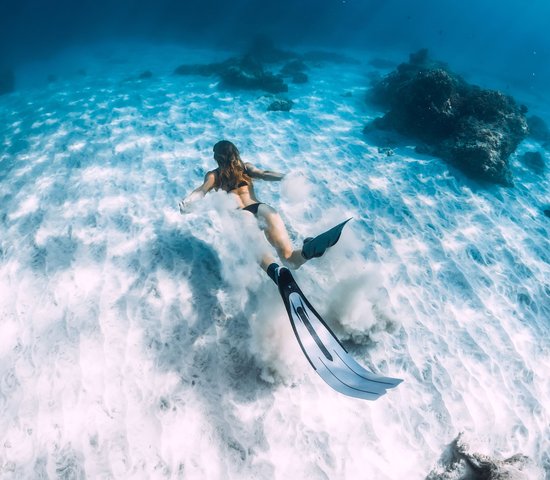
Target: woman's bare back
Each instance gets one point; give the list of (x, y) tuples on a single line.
[(245, 194)]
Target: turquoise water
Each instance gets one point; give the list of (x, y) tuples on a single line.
[(141, 343)]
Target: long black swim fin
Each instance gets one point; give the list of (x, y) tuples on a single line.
[(317, 246)]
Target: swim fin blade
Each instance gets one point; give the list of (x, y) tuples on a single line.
[(317, 246), (324, 352)]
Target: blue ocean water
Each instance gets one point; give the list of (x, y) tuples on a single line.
[(141, 343)]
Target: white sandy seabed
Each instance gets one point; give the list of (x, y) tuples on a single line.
[(139, 343)]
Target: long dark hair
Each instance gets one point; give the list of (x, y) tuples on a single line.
[(232, 171)]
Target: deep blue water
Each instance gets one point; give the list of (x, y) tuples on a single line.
[(509, 38), (139, 343)]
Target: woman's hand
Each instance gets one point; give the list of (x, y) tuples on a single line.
[(184, 206), (198, 193)]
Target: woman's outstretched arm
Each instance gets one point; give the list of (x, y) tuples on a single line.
[(198, 193), (267, 175)]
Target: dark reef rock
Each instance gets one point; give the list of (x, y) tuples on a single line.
[(299, 77), (424, 108), (474, 129), (280, 105), (293, 67), (245, 72), (145, 75), (546, 212), (7, 81), (534, 161), (459, 463), (538, 129), (295, 70), (388, 152), (248, 73)]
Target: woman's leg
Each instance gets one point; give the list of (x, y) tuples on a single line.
[(276, 233)]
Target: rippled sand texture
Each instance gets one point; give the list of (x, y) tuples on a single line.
[(139, 343)]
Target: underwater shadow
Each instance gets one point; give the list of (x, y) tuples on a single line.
[(196, 262), (211, 350)]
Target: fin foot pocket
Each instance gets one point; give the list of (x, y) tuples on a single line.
[(273, 272)]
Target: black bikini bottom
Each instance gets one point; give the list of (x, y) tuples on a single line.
[(253, 208)]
